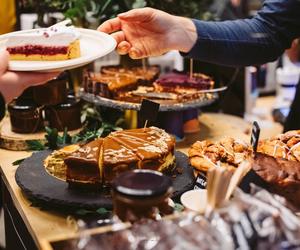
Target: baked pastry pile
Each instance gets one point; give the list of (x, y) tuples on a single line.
[(278, 163), (227, 152), (285, 146)]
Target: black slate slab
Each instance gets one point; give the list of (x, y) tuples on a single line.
[(36, 183)]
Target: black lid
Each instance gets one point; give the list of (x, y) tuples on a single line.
[(141, 183), (22, 104), (70, 102)]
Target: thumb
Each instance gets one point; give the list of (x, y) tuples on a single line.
[(138, 15), (4, 56)]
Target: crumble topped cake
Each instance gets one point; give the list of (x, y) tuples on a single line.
[(58, 42), (98, 162)]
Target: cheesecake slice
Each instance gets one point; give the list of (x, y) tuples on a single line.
[(58, 42)]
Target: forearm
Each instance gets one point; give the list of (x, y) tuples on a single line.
[(250, 41), (2, 106)]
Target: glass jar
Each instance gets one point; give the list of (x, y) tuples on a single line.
[(65, 115), (141, 194), (25, 116)]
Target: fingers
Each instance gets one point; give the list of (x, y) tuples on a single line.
[(4, 57), (123, 48), (119, 36), (110, 26), (138, 15), (136, 53)]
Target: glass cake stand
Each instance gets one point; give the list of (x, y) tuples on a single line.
[(172, 116)]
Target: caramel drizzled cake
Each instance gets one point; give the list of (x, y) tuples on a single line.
[(113, 81), (58, 42), (100, 161)]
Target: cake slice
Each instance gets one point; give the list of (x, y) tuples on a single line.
[(84, 165), (116, 159), (181, 83), (58, 42)]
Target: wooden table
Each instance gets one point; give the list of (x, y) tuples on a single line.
[(27, 227)]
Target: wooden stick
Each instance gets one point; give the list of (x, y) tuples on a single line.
[(146, 122), (191, 68), (144, 64)]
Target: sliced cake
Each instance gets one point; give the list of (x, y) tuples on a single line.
[(59, 42)]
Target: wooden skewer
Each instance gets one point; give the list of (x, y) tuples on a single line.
[(145, 125), (191, 68), (238, 175), (144, 64)]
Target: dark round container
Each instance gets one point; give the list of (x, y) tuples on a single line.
[(141, 194), (51, 93), (25, 116), (65, 115)]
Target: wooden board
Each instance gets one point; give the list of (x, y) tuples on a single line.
[(35, 181), (15, 141)]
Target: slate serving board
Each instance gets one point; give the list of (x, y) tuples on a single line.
[(36, 183)]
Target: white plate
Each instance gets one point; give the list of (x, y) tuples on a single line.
[(93, 45)]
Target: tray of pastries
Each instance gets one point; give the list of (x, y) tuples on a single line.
[(122, 88), (80, 175), (275, 165)]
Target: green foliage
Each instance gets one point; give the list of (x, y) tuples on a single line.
[(78, 10), (35, 145), (191, 8)]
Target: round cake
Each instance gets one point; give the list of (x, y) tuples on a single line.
[(98, 162)]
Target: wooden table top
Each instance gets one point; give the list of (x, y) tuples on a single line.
[(46, 225)]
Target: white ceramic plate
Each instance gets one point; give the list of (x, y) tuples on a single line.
[(93, 45)]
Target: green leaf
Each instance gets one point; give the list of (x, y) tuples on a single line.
[(18, 162), (35, 145), (51, 137), (178, 207), (82, 211), (102, 211)]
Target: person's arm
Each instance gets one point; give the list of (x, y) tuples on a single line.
[(251, 41), (12, 84)]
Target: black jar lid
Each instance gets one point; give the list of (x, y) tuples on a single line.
[(142, 183), (22, 105), (70, 102)]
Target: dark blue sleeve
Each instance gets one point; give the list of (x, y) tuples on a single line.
[(254, 41)]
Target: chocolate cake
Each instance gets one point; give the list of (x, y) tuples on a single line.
[(100, 161)]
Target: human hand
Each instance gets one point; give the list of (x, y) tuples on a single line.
[(12, 84), (149, 32)]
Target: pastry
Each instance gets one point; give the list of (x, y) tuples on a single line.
[(58, 42), (228, 152), (278, 163)]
